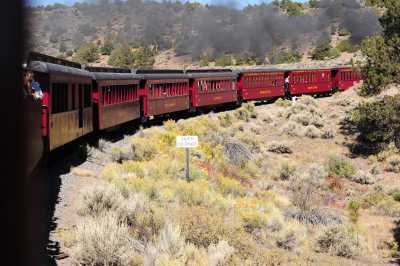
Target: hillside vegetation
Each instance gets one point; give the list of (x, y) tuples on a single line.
[(132, 33)]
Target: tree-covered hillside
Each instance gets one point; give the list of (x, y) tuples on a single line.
[(278, 31)]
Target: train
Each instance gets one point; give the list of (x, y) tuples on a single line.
[(78, 100)]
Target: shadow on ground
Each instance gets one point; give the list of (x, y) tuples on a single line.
[(45, 187)]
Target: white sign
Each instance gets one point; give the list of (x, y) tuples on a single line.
[(187, 141)]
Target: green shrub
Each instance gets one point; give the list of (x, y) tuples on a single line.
[(377, 122), (96, 200), (143, 58), (87, 53), (287, 170), (328, 133), (382, 66), (246, 112), (204, 61), (362, 177), (396, 195), (343, 32), (284, 57), (353, 208), (312, 132), (202, 227), (279, 147), (347, 46), (142, 149), (372, 199), (324, 51), (223, 60), (387, 206), (245, 59), (292, 129), (393, 164), (103, 241), (340, 166), (338, 240), (283, 103), (108, 45), (121, 56), (290, 7), (237, 152)]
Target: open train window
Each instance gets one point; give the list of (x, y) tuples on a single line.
[(73, 98), (59, 98), (87, 99)]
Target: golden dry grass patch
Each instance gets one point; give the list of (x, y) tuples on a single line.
[(82, 172)]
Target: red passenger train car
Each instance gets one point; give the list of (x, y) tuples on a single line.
[(115, 96), (310, 81), (260, 84), (163, 92), (67, 103), (345, 78), (211, 88)]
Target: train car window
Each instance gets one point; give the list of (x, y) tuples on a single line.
[(59, 97), (118, 93), (131, 95), (111, 99), (153, 88), (102, 95), (108, 93), (87, 101), (73, 103)]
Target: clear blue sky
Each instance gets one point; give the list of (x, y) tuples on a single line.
[(70, 2)]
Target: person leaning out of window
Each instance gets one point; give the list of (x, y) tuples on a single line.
[(31, 86)]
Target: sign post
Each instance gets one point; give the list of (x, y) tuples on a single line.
[(187, 142)]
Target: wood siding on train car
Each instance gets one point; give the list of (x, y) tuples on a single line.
[(262, 85), (310, 81), (166, 96), (70, 109), (118, 102), (213, 91)]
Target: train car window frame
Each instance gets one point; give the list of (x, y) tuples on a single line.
[(59, 97)]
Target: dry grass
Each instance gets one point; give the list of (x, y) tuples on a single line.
[(264, 190), (103, 241), (82, 172)]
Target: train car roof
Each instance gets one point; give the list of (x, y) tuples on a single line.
[(115, 76), (158, 71), (316, 68), (252, 70), (51, 68), (208, 70), (107, 69), (164, 76), (34, 56), (211, 74)]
